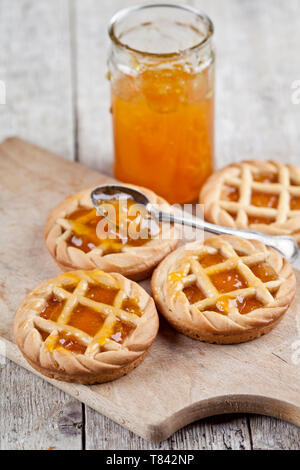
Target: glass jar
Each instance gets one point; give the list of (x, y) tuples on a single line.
[(161, 69)]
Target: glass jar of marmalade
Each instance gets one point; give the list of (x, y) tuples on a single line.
[(161, 69)]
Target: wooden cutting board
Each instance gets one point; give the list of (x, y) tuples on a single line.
[(181, 380)]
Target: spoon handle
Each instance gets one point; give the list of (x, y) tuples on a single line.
[(287, 246)]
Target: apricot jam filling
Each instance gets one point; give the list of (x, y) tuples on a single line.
[(252, 219), (176, 277), (228, 281), (101, 294), (259, 199), (243, 304), (231, 280), (53, 308), (265, 177), (120, 331), (264, 272), (86, 319), (70, 343), (193, 294), (211, 260), (295, 203), (84, 223), (131, 306), (230, 193), (248, 305), (70, 288)]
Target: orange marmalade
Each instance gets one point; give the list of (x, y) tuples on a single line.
[(163, 102)]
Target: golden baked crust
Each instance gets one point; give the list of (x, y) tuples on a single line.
[(256, 195), (136, 263), (224, 290), (86, 326)]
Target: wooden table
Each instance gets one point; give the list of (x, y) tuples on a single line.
[(53, 64)]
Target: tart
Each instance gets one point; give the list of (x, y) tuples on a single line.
[(255, 195), (86, 326), (224, 290), (72, 239)]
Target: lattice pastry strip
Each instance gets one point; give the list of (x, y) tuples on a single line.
[(100, 324), (111, 313), (71, 238), (258, 195), (255, 286), (247, 186), (225, 290)]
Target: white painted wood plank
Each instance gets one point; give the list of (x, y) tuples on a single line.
[(257, 62), (273, 434), (219, 433), (35, 65), (35, 415)]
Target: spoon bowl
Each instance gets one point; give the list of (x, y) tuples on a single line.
[(108, 192)]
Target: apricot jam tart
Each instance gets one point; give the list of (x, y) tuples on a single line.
[(255, 195), (131, 244), (225, 290), (86, 326)]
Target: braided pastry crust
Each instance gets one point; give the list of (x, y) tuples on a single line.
[(102, 356), (278, 214), (250, 307), (136, 263)]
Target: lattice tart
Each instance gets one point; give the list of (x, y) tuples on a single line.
[(86, 326), (72, 239), (256, 195), (224, 290)]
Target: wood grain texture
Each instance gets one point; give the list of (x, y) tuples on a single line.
[(217, 433), (273, 434), (257, 62), (148, 401), (35, 64), (34, 415), (257, 47)]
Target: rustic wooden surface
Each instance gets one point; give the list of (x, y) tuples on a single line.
[(52, 61), (261, 376)]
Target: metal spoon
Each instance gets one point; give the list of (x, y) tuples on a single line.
[(287, 246)]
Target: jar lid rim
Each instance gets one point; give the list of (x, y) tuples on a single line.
[(121, 14)]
